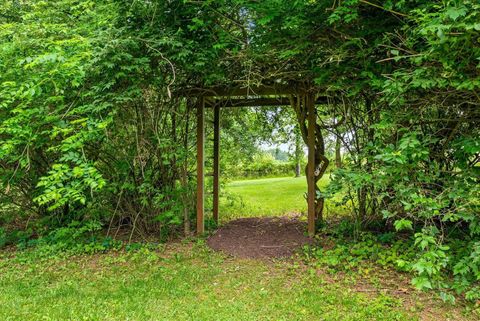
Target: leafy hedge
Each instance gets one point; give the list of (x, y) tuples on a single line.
[(262, 165)]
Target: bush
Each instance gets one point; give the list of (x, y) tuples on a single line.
[(75, 238), (262, 165)]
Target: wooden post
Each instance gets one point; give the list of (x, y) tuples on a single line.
[(200, 165), (216, 161), (311, 163)]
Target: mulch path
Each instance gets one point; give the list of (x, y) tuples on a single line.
[(265, 237)]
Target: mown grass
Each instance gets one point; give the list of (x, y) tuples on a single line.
[(267, 197), (188, 282)]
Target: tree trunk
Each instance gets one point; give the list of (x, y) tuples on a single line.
[(338, 153), (298, 152), (362, 205), (321, 161), (298, 169)]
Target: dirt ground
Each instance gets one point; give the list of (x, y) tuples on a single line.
[(265, 237)]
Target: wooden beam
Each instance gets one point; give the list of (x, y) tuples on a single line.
[(255, 102), (225, 91), (311, 164), (200, 166), (216, 161), (249, 102)]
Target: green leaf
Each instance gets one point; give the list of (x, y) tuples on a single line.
[(454, 13), (403, 224), (422, 283)]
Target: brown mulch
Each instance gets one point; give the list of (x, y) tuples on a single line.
[(265, 237)]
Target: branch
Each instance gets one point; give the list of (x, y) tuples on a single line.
[(380, 7)]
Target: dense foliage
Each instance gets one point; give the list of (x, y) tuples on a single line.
[(93, 128)]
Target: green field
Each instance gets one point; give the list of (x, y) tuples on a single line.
[(265, 197), (188, 282)]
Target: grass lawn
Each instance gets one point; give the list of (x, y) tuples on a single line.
[(189, 282), (265, 197)]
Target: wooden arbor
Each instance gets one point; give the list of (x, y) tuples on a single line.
[(220, 97)]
